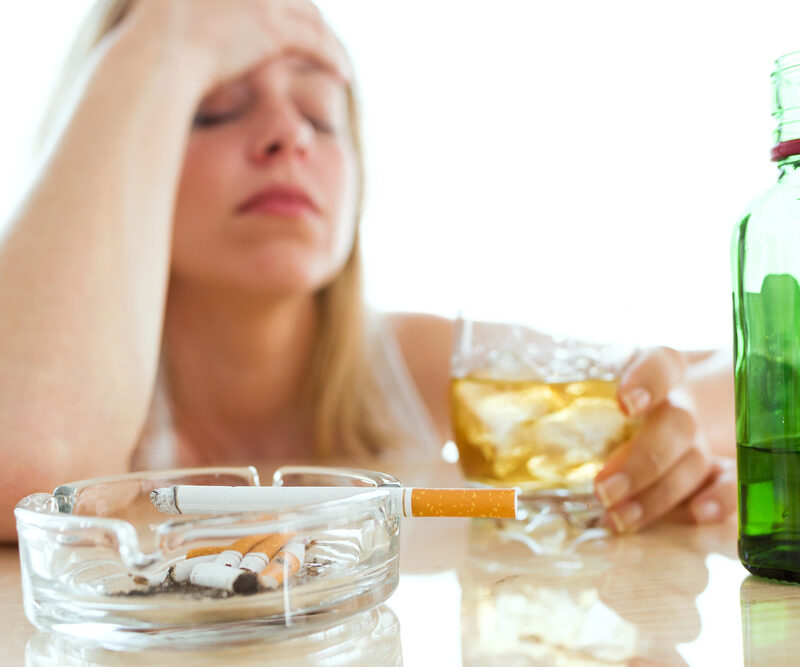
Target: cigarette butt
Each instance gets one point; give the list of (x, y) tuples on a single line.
[(128, 582), (244, 544), (155, 579), (183, 569), (232, 554), (228, 558), (285, 564), (262, 552), (495, 503), (204, 551), (254, 561), (214, 575)]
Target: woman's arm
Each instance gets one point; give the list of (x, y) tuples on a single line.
[(709, 381), (710, 385), (85, 260), (83, 272), (425, 341)]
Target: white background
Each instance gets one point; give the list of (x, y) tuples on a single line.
[(577, 164)]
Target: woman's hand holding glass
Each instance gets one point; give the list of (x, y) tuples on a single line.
[(667, 462)]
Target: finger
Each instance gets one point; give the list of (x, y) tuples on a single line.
[(717, 499), (679, 482), (665, 437), (649, 379), (306, 32)]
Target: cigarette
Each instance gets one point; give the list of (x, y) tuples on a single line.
[(406, 501), (183, 569), (214, 575), (204, 551), (127, 582), (260, 555), (157, 579), (232, 554), (286, 562)]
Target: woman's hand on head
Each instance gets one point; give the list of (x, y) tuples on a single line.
[(666, 463), (223, 40)]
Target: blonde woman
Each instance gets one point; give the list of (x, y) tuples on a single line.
[(181, 284)]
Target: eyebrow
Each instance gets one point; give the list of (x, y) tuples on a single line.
[(309, 67)]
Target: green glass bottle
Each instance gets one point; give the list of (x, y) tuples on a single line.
[(766, 312)]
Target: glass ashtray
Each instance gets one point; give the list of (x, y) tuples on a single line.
[(98, 559)]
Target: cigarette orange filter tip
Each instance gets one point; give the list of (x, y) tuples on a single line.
[(487, 503), (204, 551), (286, 563)]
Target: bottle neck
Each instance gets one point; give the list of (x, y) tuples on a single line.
[(786, 109), (789, 170)]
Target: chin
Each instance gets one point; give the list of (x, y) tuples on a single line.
[(275, 273), (279, 285)]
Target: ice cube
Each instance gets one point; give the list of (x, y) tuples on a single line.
[(586, 429), (502, 412)]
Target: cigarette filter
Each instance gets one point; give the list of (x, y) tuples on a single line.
[(407, 501), (183, 568), (214, 575), (155, 579), (286, 562), (259, 556), (232, 555), (204, 551)]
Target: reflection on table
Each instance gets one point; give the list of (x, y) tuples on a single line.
[(602, 602), (667, 596), (770, 622)]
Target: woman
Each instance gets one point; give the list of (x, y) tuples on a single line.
[(181, 284)]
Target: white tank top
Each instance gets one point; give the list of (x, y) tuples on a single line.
[(406, 409)]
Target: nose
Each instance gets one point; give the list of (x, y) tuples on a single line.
[(282, 133)]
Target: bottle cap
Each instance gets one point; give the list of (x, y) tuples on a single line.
[(785, 149)]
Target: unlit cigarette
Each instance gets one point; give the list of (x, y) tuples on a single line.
[(407, 501), (285, 564), (260, 555), (214, 575)]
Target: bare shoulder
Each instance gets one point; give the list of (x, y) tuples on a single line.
[(425, 342)]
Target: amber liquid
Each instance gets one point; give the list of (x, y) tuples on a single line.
[(536, 435)]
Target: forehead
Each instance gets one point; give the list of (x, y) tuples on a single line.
[(296, 68)]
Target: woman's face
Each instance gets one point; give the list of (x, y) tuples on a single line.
[(267, 196)]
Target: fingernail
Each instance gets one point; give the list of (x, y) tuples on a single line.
[(708, 510), (613, 489), (636, 400), (625, 517)]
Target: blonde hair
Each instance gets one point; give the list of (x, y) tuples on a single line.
[(347, 409)]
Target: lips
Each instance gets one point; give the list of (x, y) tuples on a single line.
[(279, 199)]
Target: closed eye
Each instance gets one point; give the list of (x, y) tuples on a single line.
[(319, 124), (223, 105), (204, 120)]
